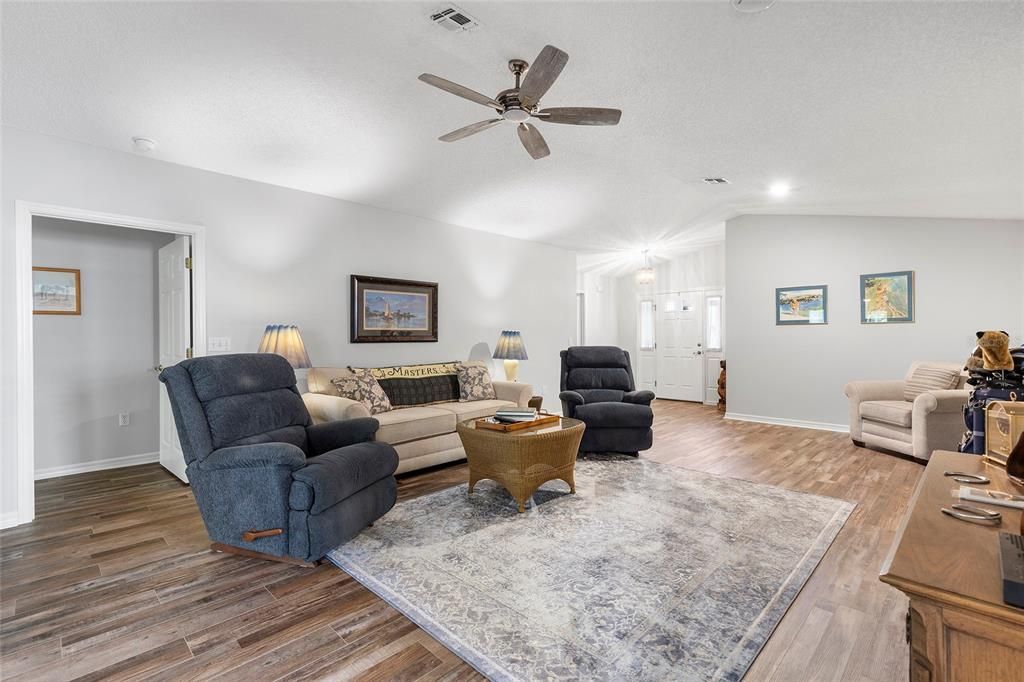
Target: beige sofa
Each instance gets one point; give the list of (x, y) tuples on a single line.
[(422, 436), (880, 417)]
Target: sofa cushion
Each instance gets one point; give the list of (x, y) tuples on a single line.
[(338, 474), (411, 423), (895, 412), (475, 382), (887, 431), (475, 409), (930, 377), (615, 415), (426, 390)]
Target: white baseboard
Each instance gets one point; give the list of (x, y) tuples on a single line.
[(98, 465), (9, 519), (795, 423)]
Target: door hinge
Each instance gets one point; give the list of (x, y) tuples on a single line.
[(188, 262), (188, 352), (655, 382)]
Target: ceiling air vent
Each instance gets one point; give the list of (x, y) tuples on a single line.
[(716, 181), (454, 19)]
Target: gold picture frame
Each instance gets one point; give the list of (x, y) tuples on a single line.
[(56, 291)]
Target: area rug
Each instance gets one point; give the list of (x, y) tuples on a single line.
[(648, 572)]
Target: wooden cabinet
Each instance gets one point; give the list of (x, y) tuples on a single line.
[(958, 627)]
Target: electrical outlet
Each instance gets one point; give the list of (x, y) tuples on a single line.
[(123, 419), (218, 344)]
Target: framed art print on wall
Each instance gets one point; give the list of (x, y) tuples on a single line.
[(801, 305), (385, 310), (56, 291), (887, 297)]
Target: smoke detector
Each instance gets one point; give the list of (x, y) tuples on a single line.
[(751, 6), (716, 181), (143, 145), (454, 19)]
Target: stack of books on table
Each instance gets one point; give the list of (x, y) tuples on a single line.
[(512, 415)]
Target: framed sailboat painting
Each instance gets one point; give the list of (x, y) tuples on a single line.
[(387, 310)]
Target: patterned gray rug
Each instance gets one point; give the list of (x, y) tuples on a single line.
[(649, 572)]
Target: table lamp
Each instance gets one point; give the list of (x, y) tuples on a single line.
[(511, 349), (284, 339)]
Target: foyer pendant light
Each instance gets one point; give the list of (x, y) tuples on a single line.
[(645, 275)]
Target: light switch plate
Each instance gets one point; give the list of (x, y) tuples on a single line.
[(218, 344)]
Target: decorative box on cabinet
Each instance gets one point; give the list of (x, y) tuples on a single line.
[(958, 627)]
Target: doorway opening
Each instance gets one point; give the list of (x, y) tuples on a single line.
[(181, 314)]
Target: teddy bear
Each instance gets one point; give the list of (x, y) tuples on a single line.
[(992, 353)]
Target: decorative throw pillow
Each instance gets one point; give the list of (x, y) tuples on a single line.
[(361, 386), (475, 382), (409, 385), (929, 378)]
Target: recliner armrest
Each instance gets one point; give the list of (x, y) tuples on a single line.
[(570, 401), (639, 397), (338, 434), (256, 456)]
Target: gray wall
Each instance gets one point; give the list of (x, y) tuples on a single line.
[(280, 255), (969, 276), (92, 366)]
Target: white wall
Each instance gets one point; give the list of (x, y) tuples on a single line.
[(968, 277), (279, 255), (90, 367), (600, 301)]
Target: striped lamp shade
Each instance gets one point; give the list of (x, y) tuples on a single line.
[(510, 347), (284, 340)]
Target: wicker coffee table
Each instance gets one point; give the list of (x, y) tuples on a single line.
[(522, 460)]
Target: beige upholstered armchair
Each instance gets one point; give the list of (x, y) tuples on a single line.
[(914, 416)]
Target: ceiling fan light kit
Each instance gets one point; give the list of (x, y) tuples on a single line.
[(521, 103)]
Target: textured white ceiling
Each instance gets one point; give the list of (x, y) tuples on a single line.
[(872, 108)]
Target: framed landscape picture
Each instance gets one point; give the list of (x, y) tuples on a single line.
[(392, 310), (801, 305), (887, 297), (56, 291)]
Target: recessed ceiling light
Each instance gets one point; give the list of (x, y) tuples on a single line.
[(751, 6), (779, 189), (143, 145)]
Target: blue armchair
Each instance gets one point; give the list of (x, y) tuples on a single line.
[(266, 480), (597, 388)]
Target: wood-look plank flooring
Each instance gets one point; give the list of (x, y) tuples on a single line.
[(114, 578)]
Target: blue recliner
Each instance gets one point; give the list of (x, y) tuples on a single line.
[(266, 479), (597, 388)]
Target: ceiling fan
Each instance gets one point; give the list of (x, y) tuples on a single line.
[(520, 104)]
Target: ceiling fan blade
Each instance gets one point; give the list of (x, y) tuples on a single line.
[(580, 116), (533, 141), (460, 90), (471, 129), (541, 74)]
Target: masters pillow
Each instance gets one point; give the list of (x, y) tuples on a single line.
[(408, 385)]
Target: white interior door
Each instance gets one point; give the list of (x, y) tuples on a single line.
[(678, 347), (175, 285)]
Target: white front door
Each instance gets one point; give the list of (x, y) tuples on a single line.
[(175, 333), (680, 370)]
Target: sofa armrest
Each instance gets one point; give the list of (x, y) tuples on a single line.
[(862, 391), (639, 397), (940, 401), (330, 408), (256, 456), (513, 391), (337, 434)]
